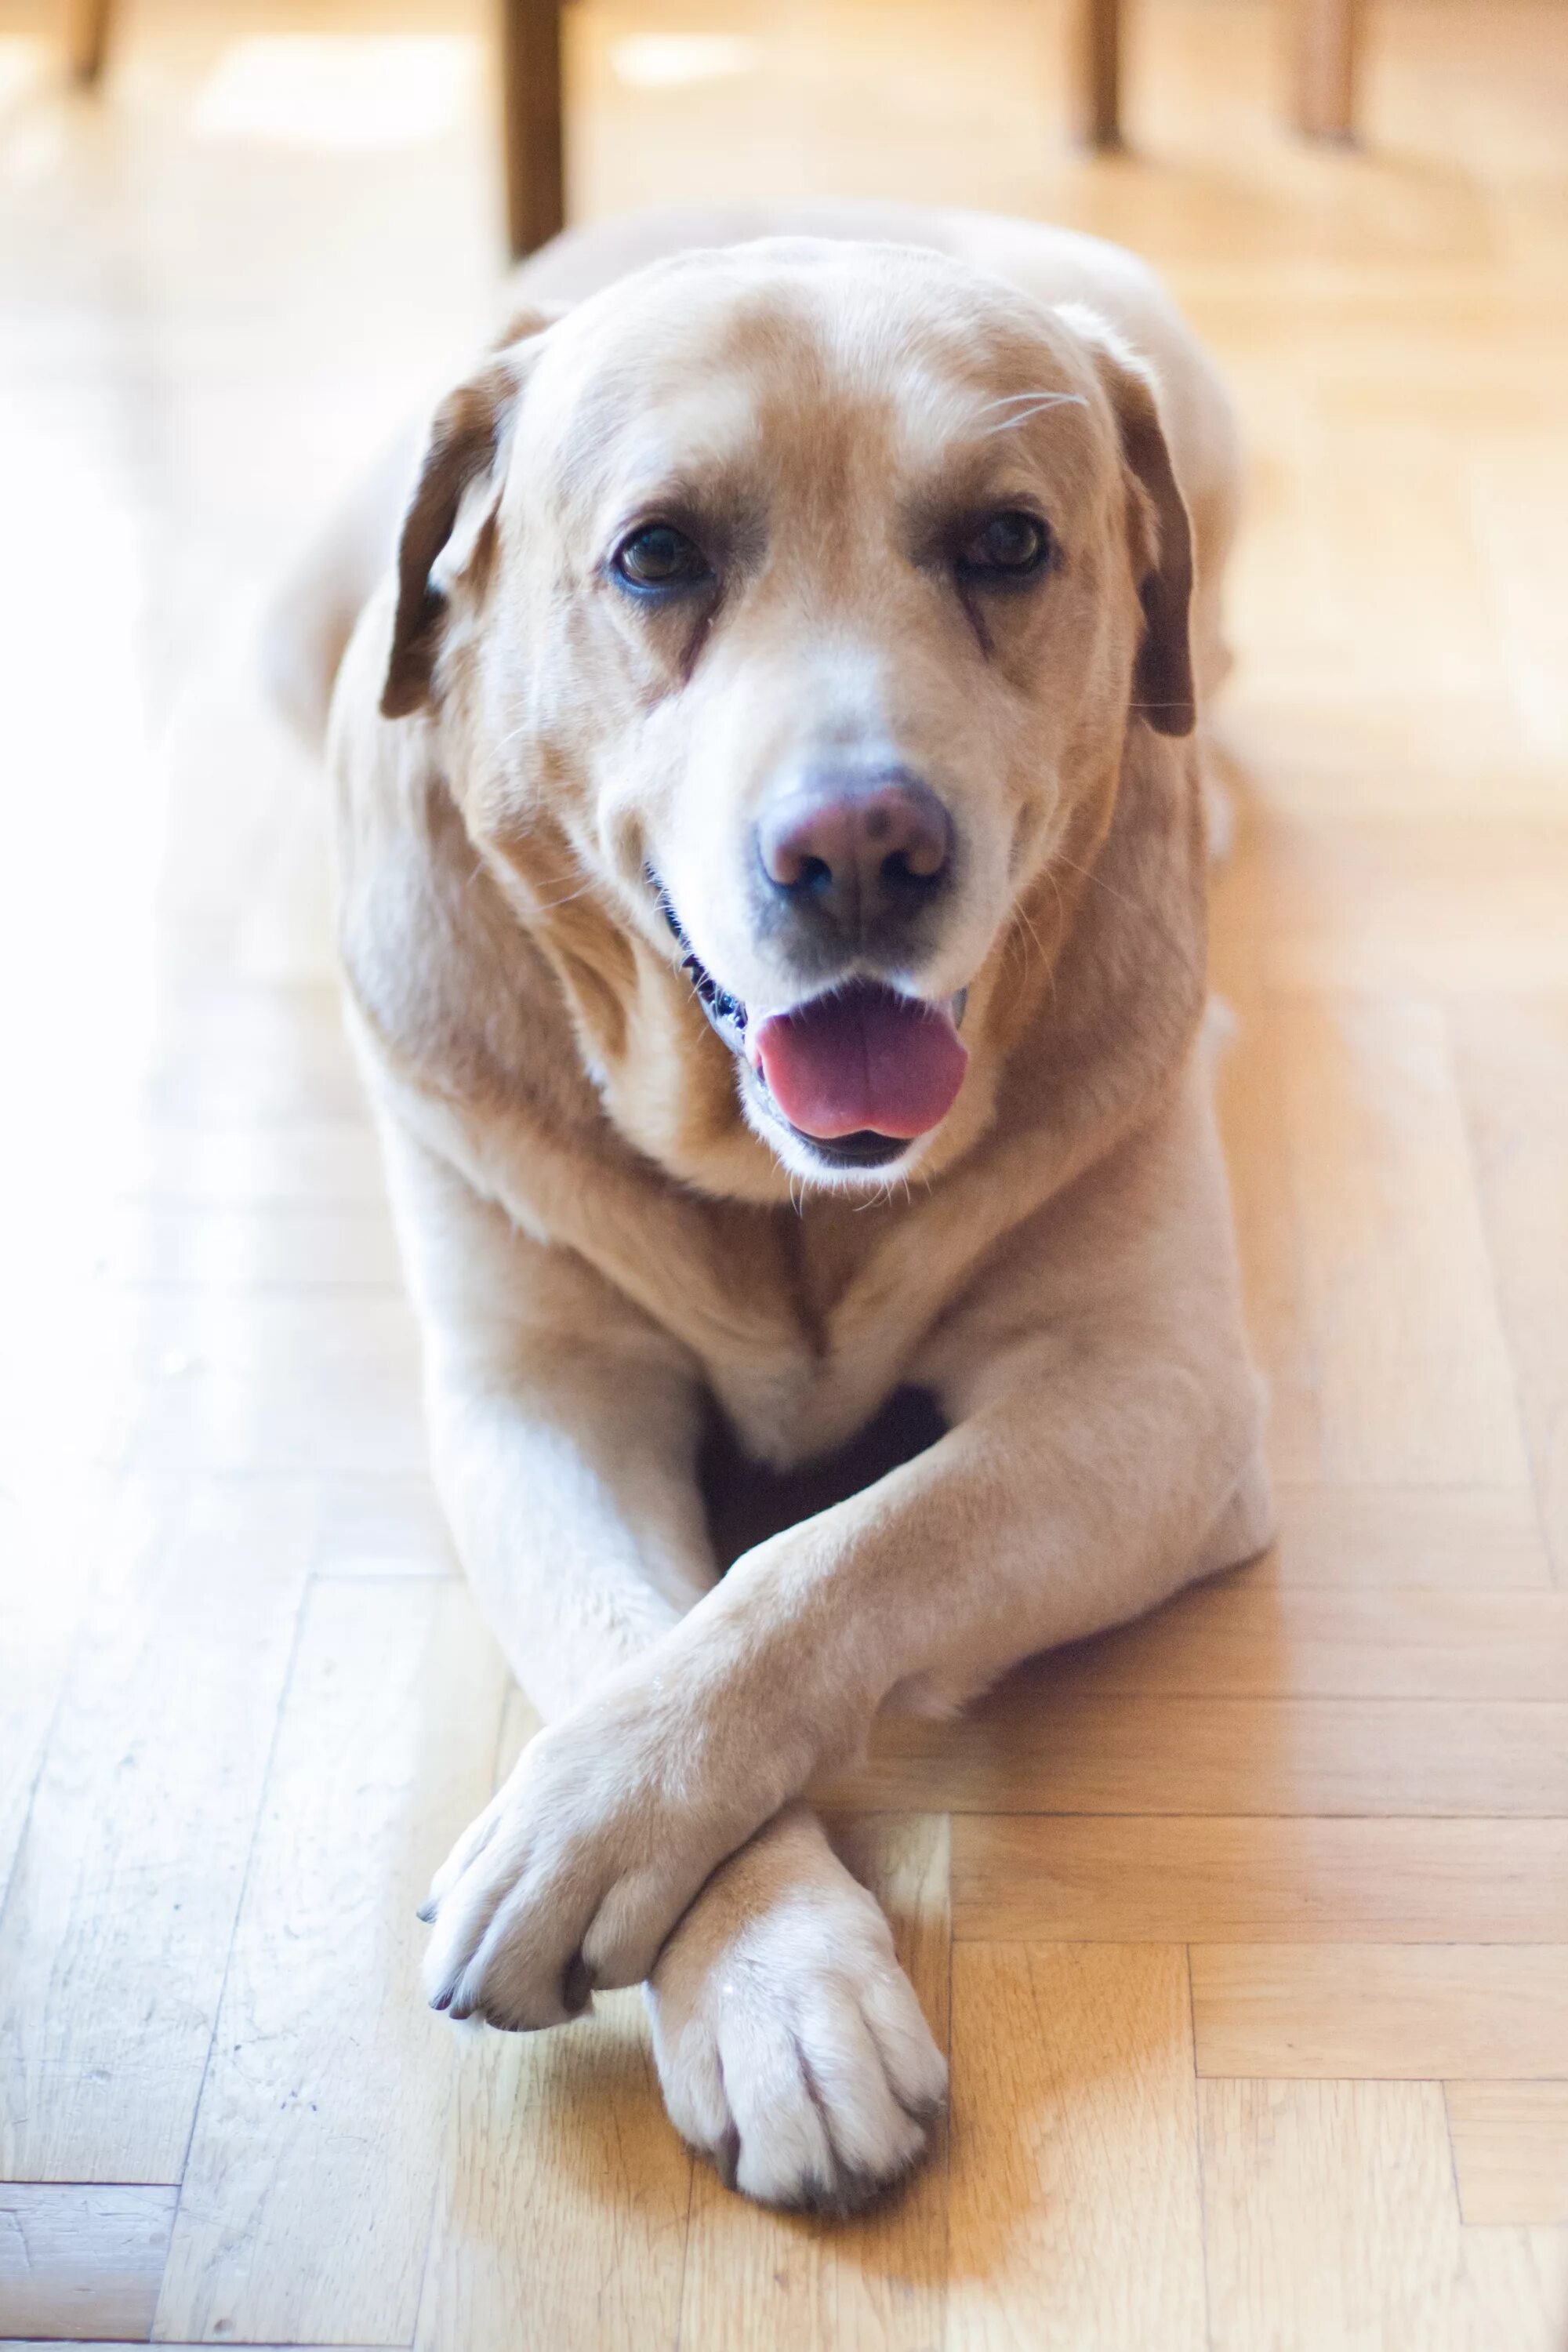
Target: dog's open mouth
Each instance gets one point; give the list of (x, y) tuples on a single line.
[(857, 1073), (862, 1060)]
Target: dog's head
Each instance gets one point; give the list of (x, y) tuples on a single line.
[(781, 612)]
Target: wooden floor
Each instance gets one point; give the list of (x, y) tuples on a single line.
[(1249, 1925)]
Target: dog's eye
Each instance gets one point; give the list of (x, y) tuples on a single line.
[(1007, 546), (660, 556)]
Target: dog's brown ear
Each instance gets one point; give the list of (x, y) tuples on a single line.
[(465, 447), (1159, 529)]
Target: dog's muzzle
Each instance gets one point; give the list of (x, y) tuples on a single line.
[(860, 1048)]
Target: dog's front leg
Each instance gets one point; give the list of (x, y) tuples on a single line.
[(790, 2043), (563, 1431)]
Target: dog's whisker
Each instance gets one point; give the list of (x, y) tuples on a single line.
[(549, 906), (1034, 937), (1032, 405), (1144, 910), (1101, 883), (1041, 395)]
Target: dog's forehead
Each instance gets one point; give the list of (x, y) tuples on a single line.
[(694, 366)]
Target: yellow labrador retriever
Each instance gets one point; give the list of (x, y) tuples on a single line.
[(772, 900)]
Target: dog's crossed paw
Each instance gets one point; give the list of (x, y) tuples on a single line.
[(791, 2048), (575, 1873), (790, 2044)]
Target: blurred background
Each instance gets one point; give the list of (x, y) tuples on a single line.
[(1255, 1922)]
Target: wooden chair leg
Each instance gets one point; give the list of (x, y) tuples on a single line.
[(1326, 39), (87, 39), (531, 127), (1100, 65)]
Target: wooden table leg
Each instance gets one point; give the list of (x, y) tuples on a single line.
[(87, 38), (531, 125), (1099, 66), (1326, 41)]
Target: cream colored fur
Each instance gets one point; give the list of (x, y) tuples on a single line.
[(604, 1240)]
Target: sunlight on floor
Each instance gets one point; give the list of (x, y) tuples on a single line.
[(355, 94), (673, 60), (22, 67)]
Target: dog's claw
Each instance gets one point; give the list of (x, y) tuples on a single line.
[(576, 1986)]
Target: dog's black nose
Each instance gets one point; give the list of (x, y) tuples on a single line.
[(859, 853)]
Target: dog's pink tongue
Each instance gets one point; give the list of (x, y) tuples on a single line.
[(864, 1058)]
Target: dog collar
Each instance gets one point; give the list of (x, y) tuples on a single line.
[(726, 1013)]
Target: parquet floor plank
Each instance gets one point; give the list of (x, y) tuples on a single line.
[(1400, 2011), (1511, 2151), (1258, 1879), (120, 1912), (306, 2199), (1076, 2213)]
